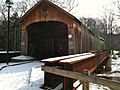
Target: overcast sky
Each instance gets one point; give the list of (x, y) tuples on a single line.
[(88, 8), (91, 8)]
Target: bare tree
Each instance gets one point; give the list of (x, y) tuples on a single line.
[(20, 8), (23, 6), (110, 26), (68, 5), (3, 9), (110, 21), (3, 25), (93, 24)]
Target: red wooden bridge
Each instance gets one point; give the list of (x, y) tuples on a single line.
[(75, 63)]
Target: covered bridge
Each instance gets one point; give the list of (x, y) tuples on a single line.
[(49, 31)]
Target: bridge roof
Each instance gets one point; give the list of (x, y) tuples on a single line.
[(46, 1), (58, 8)]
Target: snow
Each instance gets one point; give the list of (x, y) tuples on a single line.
[(115, 64), (10, 51), (22, 57), (22, 77), (114, 74), (98, 87), (28, 76), (77, 58), (64, 57)]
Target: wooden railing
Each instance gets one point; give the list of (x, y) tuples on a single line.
[(75, 63), (114, 85)]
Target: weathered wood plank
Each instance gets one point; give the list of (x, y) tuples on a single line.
[(77, 59), (85, 84), (57, 59), (78, 76)]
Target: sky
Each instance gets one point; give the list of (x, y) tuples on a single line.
[(91, 8), (88, 8)]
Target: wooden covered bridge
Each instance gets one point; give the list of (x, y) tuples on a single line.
[(49, 31)]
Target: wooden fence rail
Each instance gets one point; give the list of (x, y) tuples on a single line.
[(114, 85)]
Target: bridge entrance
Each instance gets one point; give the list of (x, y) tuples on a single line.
[(47, 39)]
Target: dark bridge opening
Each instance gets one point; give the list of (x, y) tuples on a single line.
[(47, 39)]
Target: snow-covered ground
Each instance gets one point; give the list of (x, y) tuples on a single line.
[(29, 76), (22, 77), (114, 74)]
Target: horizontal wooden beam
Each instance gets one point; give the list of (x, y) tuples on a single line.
[(78, 76)]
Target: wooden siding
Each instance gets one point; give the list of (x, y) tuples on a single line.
[(45, 12), (82, 39)]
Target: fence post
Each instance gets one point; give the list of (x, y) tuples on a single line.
[(85, 84), (108, 64)]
